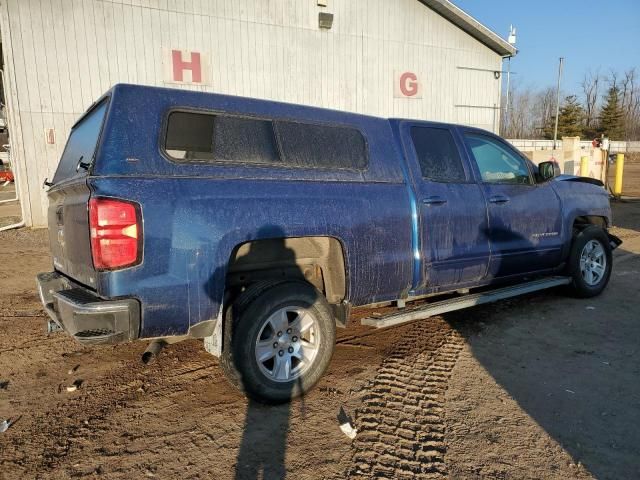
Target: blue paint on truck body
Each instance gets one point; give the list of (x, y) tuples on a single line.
[(394, 244)]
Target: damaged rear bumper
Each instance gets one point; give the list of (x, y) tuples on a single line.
[(89, 319)]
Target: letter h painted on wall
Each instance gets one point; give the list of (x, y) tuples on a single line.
[(185, 67)]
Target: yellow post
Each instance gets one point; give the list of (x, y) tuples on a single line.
[(617, 187), (584, 166)]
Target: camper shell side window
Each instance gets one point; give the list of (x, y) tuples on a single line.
[(212, 138)]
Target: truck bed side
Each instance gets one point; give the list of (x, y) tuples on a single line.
[(195, 215)]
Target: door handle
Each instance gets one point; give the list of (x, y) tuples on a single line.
[(434, 200), (498, 199)]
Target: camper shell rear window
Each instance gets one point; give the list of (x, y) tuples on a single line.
[(81, 145), (209, 138)]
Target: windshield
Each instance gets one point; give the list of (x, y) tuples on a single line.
[(81, 145)]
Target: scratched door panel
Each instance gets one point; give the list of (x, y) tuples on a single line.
[(525, 219), (526, 231), (451, 207), (455, 243)]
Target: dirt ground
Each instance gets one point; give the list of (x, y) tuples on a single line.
[(9, 210), (631, 177), (543, 386)]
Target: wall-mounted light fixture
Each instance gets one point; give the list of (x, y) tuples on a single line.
[(325, 20), (322, 3)]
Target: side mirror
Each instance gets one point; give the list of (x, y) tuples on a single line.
[(548, 170)]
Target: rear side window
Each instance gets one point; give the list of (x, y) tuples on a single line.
[(244, 140), (322, 146), (190, 136), (81, 145), (201, 137), (438, 155), (210, 138)]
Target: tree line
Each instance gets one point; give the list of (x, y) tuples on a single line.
[(606, 105)]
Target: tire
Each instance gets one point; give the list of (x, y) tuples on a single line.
[(253, 291), (590, 262), (274, 368)]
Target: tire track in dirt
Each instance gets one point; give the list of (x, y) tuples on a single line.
[(401, 426)]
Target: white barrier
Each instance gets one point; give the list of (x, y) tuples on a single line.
[(533, 145)]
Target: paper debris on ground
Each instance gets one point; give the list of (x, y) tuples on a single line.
[(74, 386), (4, 426), (346, 424)]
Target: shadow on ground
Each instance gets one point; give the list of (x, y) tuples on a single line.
[(626, 213), (573, 368), (264, 442)]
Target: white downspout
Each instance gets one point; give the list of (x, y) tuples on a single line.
[(12, 226), (15, 181)]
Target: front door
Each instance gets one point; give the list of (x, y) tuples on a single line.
[(452, 211), (525, 218)]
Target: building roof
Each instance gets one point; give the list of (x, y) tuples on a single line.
[(470, 25)]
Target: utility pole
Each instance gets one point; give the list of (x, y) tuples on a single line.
[(506, 107), (555, 128), (512, 41)]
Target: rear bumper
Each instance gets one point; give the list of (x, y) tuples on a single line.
[(89, 319)]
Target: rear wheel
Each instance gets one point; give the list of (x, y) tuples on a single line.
[(279, 342), (590, 262)]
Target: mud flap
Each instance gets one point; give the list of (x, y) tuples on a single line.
[(213, 343), (614, 241)]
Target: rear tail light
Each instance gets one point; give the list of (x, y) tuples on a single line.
[(116, 233)]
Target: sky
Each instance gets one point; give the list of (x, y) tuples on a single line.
[(590, 35)]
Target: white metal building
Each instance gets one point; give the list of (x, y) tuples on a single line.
[(422, 59)]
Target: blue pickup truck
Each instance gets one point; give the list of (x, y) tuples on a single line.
[(257, 226)]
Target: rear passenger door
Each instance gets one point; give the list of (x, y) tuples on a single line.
[(525, 218), (452, 212)]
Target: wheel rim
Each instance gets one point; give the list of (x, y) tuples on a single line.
[(593, 262), (287, 344)]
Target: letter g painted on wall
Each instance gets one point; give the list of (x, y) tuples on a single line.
[(407, 85)]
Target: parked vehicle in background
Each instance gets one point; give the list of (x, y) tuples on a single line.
[(258, 225), (6, 175)]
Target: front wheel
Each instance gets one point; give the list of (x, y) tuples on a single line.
[(281, 341), (590, 262)]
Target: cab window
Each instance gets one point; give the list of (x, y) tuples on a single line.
[(496, 162), (437, 154)]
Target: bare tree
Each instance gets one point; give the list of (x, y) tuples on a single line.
[(530, 110), (591, 83), (612, 78), (517, 121), (543, 111), (514, 113), (630, 98)]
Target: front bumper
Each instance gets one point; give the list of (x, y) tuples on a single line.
[(89, 319)]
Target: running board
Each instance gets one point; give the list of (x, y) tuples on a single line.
[(458, 303)]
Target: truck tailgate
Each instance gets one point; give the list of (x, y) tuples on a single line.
[(69, 234)]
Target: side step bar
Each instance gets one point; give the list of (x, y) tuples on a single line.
[(458, 303)]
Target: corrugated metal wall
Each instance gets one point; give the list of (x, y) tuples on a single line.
[(60, 55)]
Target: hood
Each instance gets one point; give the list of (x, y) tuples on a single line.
[(574, 178)]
